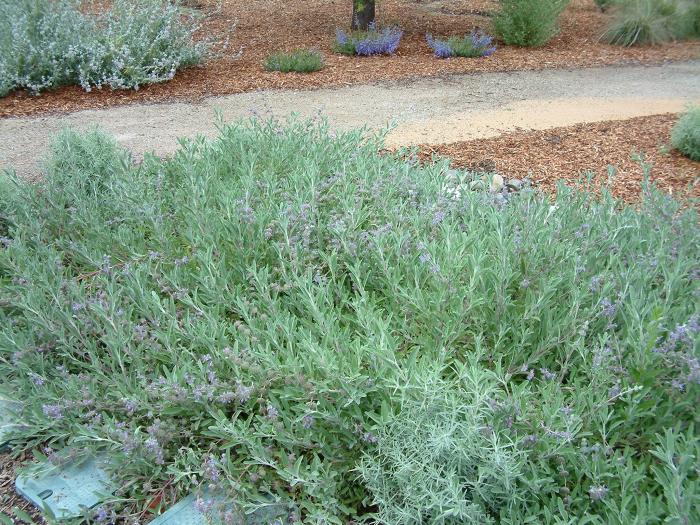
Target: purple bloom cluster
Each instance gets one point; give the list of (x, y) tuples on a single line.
[(441, 48), (371, 42), (475, 44)]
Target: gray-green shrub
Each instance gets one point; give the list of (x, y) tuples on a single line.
[(439, 459), (300, 61), (50, 43), (270, 312), (528, 23), (685, 135)]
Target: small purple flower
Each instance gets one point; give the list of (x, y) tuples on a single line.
[(153, 447), (76, 307), (368, 437), (476, 44), (101, 515), (598, 493), (372, 42), (441, 48), (204, 506), (53, 411), (547, 374), (211, 470), (529, 440), (424, 258), (271, 412), (307, 421), (36, 379), (130, 406), (609, 308), (243, 393)]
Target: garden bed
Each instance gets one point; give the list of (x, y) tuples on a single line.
[(564, 154), (265, 26)]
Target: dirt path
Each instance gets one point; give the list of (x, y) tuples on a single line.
[(437, 110)]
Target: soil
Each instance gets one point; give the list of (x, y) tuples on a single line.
[(259, 27), (430, 110), (570, 154)]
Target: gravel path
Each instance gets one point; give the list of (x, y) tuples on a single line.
[(429, 111)]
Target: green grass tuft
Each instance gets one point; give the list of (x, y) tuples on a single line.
[(300, 61), (650, 22), (528, 23), (685, 136)]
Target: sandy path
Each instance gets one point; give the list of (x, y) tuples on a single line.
[(433, 110)]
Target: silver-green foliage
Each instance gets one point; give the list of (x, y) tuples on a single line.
[(440, 459), (49, 43), (285, 311), (685, 135)]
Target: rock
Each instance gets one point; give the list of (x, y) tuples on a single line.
[(497, 183), (515, 184), (477, 185)]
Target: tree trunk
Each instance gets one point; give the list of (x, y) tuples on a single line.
[(362, 14)]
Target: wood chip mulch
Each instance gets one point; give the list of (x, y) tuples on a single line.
[(9, 499), (567, 153), (259, 27)]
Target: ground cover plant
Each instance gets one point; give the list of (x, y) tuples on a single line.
[(476, 44), (653, 22), (288, 315), (300, 61), (685, 135), (50, 43), (374, 41), (528, 23)]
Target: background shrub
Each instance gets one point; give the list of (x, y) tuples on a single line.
[(366, 43), (653, 22), (286, 313), (301, 61), (47, 43), (685, 135), (528, 23), (605, 4), (476, 44)]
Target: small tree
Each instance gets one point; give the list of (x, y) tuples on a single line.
[(363, 13)]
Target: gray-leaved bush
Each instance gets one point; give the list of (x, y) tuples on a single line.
[(288, 315), (49, 43)]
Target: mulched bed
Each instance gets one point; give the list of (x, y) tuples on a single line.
[(263, 26), (9, 499), (567, 153)]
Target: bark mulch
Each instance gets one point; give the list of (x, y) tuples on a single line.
[(264, 26), (9, 499), (567, 153)]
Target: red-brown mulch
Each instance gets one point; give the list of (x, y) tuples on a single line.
[(9, 499), (264, 26), (546, 157)]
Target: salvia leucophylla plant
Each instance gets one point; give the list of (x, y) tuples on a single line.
[(288, 317), (366, 43), (50, 43), (476, 44)]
